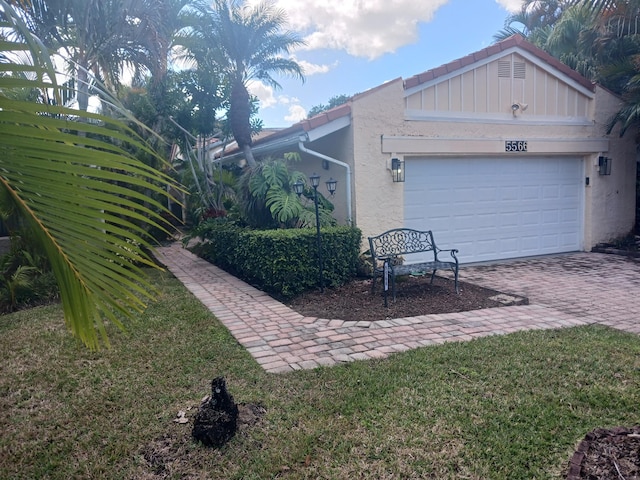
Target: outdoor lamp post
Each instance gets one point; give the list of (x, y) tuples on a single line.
[(298, 187)]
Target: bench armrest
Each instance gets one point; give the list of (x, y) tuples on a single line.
[(452, 251)]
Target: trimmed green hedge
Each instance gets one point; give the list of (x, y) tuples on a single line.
[(281, 262)]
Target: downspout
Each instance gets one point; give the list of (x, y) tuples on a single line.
[(304, 138)]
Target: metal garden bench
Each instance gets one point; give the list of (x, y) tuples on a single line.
[(387, 248)]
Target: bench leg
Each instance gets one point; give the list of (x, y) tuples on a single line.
[(455, 274), (373, 284), (393, 286)]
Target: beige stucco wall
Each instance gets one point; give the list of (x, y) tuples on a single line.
[(378, 201), (610, 199)]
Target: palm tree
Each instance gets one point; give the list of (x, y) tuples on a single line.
[(78, 195), (247, 43), (616, 52), (100, 38), (533, 21)]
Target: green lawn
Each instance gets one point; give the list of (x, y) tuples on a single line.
[(508, 407)]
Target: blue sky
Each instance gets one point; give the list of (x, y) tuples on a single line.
[(355, 45)]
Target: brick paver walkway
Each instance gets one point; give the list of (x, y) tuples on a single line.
[(563, 290)]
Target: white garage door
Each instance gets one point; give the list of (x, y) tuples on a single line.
[(490, 208)]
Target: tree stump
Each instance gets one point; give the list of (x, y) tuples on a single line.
[(215, 423)]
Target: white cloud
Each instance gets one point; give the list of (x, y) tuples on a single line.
[(313, 68), (296, 113), (263, 92), (268, 99), (361, 28), (511, 5)]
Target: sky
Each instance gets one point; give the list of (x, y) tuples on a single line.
[(355, 45)]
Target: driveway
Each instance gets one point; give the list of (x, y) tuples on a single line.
[(563, 290), (598, 288)]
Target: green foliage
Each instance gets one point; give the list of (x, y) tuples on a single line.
[(26, 278), (281, 262), (267, 199), (243, 42)]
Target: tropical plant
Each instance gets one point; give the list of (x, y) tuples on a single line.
[(245, 43), (533, 21), (79, 195), (266, 197), (615, 40), (11, 281)]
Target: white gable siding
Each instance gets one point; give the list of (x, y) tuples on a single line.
[(492, 89)]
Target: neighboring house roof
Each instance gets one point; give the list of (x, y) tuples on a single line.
[(342, 112)]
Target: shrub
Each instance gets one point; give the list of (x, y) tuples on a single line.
[(281, 262)]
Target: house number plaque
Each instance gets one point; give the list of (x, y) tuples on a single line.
[(515, 145)]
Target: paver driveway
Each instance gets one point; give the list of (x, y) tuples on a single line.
[(563, 291), (597, 288)]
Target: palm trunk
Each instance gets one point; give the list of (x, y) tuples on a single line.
[(248, 154), (239, 118)]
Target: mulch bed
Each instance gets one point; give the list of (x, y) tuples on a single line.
[(414, 296), (607, 454)]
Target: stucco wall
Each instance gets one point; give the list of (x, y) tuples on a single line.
[(379, 201), (610, 199)]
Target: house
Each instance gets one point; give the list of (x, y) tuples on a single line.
[(504, 155)]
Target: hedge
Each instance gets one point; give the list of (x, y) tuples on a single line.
[(281, 262)]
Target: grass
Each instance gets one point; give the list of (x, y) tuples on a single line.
[(508, 407)]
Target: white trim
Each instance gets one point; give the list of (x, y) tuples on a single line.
[(507, 118)]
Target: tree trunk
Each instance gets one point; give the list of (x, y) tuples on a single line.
[(248, 154), (239, 119)]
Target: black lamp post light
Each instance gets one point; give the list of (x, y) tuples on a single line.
[(298, 187)]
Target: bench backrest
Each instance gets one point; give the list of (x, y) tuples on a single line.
[(400, 241)]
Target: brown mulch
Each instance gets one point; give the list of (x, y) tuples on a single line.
[(414, 296), (607, 454)]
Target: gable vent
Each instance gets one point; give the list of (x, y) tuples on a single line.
[(519, 70), (504, 68)]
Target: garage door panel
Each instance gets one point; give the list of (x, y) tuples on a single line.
[(497, 208)]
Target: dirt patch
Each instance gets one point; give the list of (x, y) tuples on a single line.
[(414, 296), (607, 453), (173, 452)]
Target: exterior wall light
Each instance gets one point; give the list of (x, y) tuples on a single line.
[(604, 165), (518, 107), (397, 170), (331, 186)]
